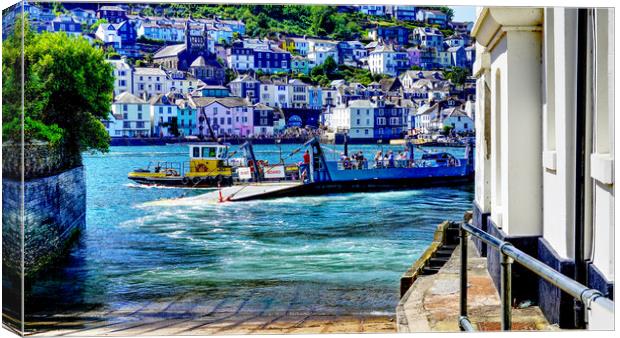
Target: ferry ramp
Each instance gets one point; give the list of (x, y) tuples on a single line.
[(235, 193)]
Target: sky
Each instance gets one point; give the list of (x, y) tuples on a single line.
[(464, 13)]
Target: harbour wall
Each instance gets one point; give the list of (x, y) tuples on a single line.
[(54, 205)]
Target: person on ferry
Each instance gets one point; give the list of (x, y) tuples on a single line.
[(360, 160), (378, 159), (390, 159)]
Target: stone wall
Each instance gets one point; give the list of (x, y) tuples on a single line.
[(54, 211), (40, 159)]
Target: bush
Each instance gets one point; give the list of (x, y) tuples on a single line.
[(33, 130)]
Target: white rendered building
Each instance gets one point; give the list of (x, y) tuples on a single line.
[(532, 103)]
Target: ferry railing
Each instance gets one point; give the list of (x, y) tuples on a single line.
[(509, 255)]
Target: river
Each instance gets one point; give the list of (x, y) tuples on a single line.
[(333, 254)]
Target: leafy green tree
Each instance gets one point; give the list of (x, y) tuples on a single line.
[(95, 25), (68, 89), (456, 75), (416, 67)]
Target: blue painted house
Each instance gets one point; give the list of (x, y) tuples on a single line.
[(390, 121), (458, 57), (67, 24), (315, 97), (394, 34), (245, 86), (114, 14)]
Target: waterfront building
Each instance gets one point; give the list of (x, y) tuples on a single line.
[(133, 114), (369, 119), (123, 76), (164, 114), (357, 119), (432, 17), (252, 54), (113, 14), (545, 77), (229, 116), (187, 117), (113, 124), (386, 60), (456, 41), (264, 118)]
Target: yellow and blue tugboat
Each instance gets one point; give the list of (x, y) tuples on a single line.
[(208, 166)]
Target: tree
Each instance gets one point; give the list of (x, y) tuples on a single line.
[(68, 89), (456, 75), (448, 11), (95, 25), (416, 67)]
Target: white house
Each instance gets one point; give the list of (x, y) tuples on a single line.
[(458, 121), (357, 119), (319, 54), (134, 113), (385, 60), (123, 76), (108, 33), (149, 81), (536, 92)]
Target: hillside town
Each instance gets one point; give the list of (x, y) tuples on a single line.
[(185, 77)]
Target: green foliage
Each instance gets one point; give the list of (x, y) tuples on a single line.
[(415, 67), (144, 39), (95, 25), (446, 130), (68, 88), (456, 75)]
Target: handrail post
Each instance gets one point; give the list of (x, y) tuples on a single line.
[(463, 300), (506, 287)]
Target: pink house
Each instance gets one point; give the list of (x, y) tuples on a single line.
[(228, 116)]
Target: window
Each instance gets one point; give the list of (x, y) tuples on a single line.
[(161, 110), (222, 120), (126, 124), (139, 107), (140, 124), (124, 107), (125, 116), (139, 116)]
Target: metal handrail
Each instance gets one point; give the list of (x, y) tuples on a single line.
[(510, 254)]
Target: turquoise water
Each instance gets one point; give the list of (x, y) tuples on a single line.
[(340, 253)]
